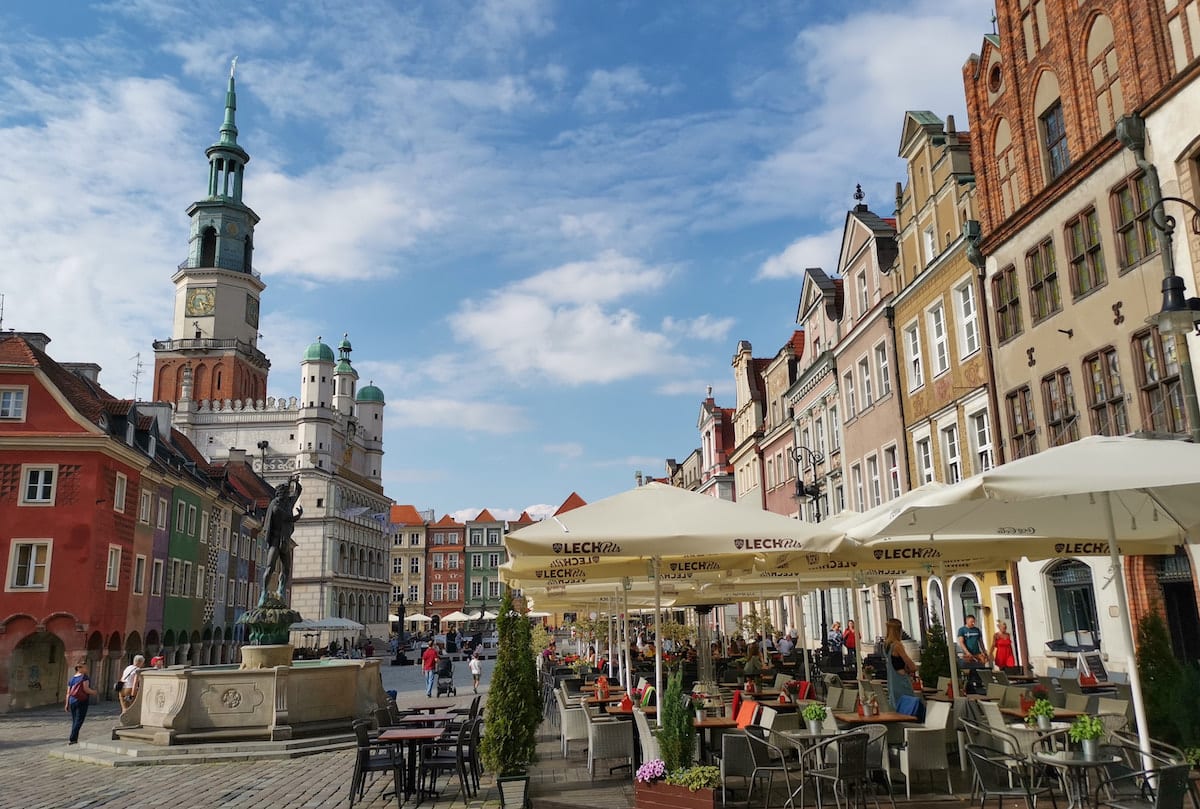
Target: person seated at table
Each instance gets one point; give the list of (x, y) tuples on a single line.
[(970, 643), (648, 650), (550, 653), (786, 645), (589, 657), (900, 668), (753, 665)]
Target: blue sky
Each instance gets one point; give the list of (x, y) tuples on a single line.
[(545, 225)]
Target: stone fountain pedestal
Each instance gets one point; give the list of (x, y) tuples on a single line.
[(267, 697)]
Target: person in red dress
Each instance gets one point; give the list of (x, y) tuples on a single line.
[(1002, 647)]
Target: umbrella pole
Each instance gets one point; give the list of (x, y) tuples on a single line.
[(854, 617), (626, 644), (951, 643), (1135, 680), (801, 632), (658, 651)]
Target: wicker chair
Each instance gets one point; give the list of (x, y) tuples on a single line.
[(608, 738), (572, 724), (925, 747), (646, 737)]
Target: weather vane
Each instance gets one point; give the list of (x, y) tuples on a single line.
[(859, 196), (233, 67)]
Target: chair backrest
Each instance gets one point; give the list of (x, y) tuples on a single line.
[(1171, 786), (999, 676), (781, 680), (937, 715), (648, 741), (943, 684), (1110, 705), (996, 691), (762, 751), (1077, 702), (649, 696), (995, 769), (851, 761), (362, 734), (985, 676), (876, 745), (991, 713), (833, 696), (747, 713), (1070, 683), (642, 683), (1013, 695), (767, 716), (1112, 722), (383, 717)]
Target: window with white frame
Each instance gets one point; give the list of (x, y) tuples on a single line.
[(29, 565), (770, 473), (39, 485), (437, 591), (185, 586), (414, 538), (414, 565), (191, 525), (864, 295), (851, 401), (883, 370), (912, 351), (476, 560), (139, 574), (856, 480), (874, 481), (968, 319), (924, 461), (452, 591), (201, 575), (156, 578), (939, 345), (951, 457), (493, 560), (819, 432), (930, 244), (981, 440), (112, 574), (145, 506), (476, 589), (414, 592), (452, 560), (119, 491), (230, 591), (397, 564), (835, 430), (12, 403), (493, 589), (173, 578), (891, 463), (864, 376), (839, 497), (163, 510), (439, 561), (181, 517), (493, 536)]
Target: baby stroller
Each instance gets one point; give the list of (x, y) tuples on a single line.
[(445, 678)]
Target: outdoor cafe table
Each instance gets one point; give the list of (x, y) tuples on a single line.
[(708, 725), (413, 737), (881, 718), (423, 719), (1059, 713), (431, 705), (1076, 766)]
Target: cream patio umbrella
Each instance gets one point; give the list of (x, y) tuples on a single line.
[(1097, 496)]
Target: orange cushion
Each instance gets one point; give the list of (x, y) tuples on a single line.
[(747, 713)]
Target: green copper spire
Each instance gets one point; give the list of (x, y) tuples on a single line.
[(229, 128)]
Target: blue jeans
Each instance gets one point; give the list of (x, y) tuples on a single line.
[(79, 709), (430, 681)]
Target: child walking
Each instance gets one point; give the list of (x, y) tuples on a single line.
[(475, 668)]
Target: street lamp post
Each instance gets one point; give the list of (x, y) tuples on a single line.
[(1179, 314), (803, 455)]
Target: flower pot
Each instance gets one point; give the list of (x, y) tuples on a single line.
[(661, 795), (814, 725), (1091, 749), (1043, 723)]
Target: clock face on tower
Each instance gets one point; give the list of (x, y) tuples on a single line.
[(201, 302), (252, 311)]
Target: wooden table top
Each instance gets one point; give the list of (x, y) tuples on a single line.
[(883, 717), (715, 722), (605, 701), (417, 719), (1059, 713), (410, 734), (431, 705), (617, 710)]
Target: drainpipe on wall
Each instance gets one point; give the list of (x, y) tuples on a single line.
[(890, 313)]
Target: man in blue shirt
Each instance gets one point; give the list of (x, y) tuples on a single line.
[(970, 643)]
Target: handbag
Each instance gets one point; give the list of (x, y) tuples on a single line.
[(76, 691), (118, 685)]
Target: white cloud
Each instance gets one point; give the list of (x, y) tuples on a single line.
[(470, 416), (813, 250), (553, 325), (704, 327), (568, 450), (612, 90)]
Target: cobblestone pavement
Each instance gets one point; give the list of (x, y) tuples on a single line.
[(31, 779)]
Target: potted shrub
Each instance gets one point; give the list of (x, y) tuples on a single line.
[(814, 716), (672, 782), (1040, 713), (1087, 730), (509, 742), (935, 658)]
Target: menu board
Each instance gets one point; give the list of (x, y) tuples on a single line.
[(1090, 663)]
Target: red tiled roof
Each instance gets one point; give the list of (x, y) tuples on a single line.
[(406, 515), (118, 407), (448, 522), (797, 342), (189, 451), (84, 396), (571, 503), (485, 516), (245, 482), (524, 519)]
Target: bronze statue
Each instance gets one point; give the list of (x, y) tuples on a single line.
[(278, 527)]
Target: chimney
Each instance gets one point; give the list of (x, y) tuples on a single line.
[(35, 339), (85, 370), (237, 457)]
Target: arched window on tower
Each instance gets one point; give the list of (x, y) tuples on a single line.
[(208, 247)]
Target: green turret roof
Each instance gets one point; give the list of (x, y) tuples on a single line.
[(369, 393), (318, 352)]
